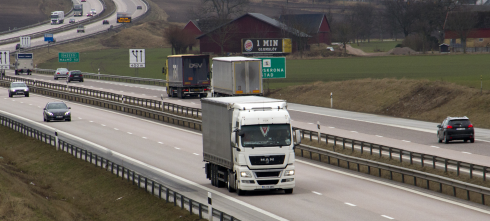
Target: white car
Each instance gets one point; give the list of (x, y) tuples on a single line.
[(61, 73), (93, 11)]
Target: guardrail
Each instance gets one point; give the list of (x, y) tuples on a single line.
[(124, 99), (59, 29), (107, 77), (138, 179), (364, 147)]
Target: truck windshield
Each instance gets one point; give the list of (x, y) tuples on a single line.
[(266, 135), (54, 16)]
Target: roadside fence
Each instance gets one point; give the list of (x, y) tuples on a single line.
[(151, 186)]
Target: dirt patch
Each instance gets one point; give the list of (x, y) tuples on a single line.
[(415, 99), (20, 13), (402, 51), (39, 183)]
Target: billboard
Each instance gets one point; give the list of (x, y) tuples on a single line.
[(123, 17), (266, 45)]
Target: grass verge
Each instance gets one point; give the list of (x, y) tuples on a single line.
[(448, 190), (39, 183), (376, 46)]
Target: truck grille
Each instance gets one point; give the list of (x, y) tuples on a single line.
[(267, 182), (268, 174), (267, 160)]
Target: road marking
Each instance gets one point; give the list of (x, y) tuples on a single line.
[(21, 102), (434, 146), (91, 121), (331, 127), (350, 204), (353, 131), (160, 142), (193, 103), (396, 186), (39, 106), (310, 123), (466, 152), (195, 154), (143, 94), (177, 148), (122, 91), (130, 133), (317, 193), (30, 104), (406, 141), (379, 136), (144, 138), (387, 217), (103, 125), (116, 129)]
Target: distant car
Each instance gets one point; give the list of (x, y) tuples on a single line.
[(83, 1), (330, 49), (81, 28), (56, 111), (74, 75), (17, 47), (93, 11), (456, 128), (18, 88), (139, 7), (72, 20), (61, 73), (90, 14), (105, 22)]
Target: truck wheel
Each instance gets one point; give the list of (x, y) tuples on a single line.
[(204, 95), (288, 191), (230, 188), (10, 95), (241, 192)]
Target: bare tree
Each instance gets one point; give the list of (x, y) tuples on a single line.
[(402, 12), (223, 36), (343, 32), (178, 38), (222, 9), (462, 22)]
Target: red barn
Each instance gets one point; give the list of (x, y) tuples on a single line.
[(315, 25), (227, 37), (192, 27)]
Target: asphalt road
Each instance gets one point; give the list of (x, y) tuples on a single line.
[(396, 132), (128, 6), (322, 192)]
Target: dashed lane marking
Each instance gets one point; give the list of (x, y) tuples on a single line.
[(317, 193), (350, 204), (387, 217)]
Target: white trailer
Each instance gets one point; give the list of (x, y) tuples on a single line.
[(248, 143), (236, 76), (24, 63), (57, 17)]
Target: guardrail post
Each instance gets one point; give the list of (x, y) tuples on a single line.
[(362, 147), (484, 173), (457, 168), (371, 149), (380, 150), (190, 206), (445, 165), (389, 151), (434, 162), (471, 171), (210, 207), (422, 160), (352, 146), (411, 158), (483, 199), (343, 143)]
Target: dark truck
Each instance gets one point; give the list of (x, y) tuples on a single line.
[(187, 75), (78, 10)]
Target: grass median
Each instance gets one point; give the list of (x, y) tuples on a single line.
[(39, 183)]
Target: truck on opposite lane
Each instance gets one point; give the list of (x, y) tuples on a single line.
[(248, 143), (57, 17), (78, 10)]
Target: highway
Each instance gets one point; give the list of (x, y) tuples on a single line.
[(128, 6), (322, 192)]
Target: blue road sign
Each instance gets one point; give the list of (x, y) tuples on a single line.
[(48, 37)]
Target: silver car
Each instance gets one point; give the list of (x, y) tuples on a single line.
[(61, 73), (18, 88)]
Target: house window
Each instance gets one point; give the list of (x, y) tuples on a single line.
[(481, 39), (453, 41)]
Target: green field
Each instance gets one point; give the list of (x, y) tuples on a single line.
[(116, 62), (463, 69), (376, 46), (460, 69)]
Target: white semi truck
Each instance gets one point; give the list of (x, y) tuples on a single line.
[(24, 63), (236, 76), (57, 17), (248, 143)]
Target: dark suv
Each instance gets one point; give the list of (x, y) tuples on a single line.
[(56, 111), (456, 128), (75, 75)]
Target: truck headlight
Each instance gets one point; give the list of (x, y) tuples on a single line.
[(245, 174), (289, 173), (13, 90)]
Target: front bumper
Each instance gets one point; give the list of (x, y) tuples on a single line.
[(64, 117), (21, 92), (280, 182)]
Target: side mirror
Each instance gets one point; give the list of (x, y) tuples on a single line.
[(233, 139), (69, 107), (297, 137), (439, 126)]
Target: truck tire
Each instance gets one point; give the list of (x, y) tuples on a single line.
[(10, 94), (180, 94), (288, 191), (230, 188)]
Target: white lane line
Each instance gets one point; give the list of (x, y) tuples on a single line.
[(387, 217), (317, 193), (116, 129), (91, 121), (193, 103), (396, 187), (434, 146), (406, 141), (353, 131), (122, 91), (21, 102), (160, 142), (144, 138), (331, 127), (350, 204), (195, 154), (79, 118), (130, 133), (154, 96), (379, 136), (39, 106), (30, 104), (177, 148), (466, 152), (310, 123), (143, 94), (103, 125)]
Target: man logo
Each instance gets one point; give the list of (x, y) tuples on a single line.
[(195, 65)]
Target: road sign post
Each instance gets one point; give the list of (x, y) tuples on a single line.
[(48, 38), (136, 59), (273, 67), (4, 60)]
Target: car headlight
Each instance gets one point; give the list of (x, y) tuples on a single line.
[(289, 173), (51, 114), (67, 113), (13, 90), (245, 174), (27, 89)]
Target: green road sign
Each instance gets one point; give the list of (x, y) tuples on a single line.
[(273, 67), (68, 57)]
